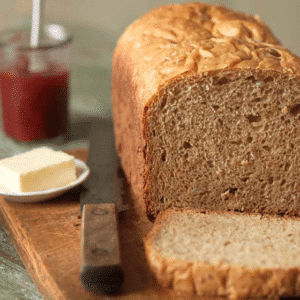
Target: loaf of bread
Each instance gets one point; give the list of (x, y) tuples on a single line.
[(226, 254), (206, 112)]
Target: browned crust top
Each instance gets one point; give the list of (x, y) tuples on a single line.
[(196, 38), (190, 39)]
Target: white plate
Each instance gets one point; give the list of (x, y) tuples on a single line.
[(82, 172)]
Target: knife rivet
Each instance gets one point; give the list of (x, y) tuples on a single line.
[(99, 211), (100, 251)]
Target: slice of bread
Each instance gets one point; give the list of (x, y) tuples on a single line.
[(206, 109), (229, 254)]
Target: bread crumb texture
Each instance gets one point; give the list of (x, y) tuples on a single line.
[(230, 254), (206, 108)]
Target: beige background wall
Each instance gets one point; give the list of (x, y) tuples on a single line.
[(97, 24)]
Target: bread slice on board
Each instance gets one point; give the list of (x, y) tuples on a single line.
[(229, 254), (206, 107)]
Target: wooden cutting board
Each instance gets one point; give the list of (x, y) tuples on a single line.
[(47, 238)]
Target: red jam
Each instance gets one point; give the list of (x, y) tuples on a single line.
[(34, 105)]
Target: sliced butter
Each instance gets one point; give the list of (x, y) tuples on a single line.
[(37, 170)]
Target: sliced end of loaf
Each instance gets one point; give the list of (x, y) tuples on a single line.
[(229, 254), (225, 140)]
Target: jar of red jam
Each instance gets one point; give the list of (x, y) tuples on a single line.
[(34, 83)]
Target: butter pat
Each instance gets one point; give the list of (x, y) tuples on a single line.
[(37, 170)]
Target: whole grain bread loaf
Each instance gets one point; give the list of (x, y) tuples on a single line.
[(206, 110), (226, 254)]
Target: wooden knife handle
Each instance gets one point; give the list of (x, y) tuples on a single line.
[(100, 249)]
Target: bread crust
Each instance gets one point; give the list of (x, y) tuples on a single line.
[(169, 44), (205, 279)]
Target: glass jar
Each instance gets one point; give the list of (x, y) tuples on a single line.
[(34, 83)]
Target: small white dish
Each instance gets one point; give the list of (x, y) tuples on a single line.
[(82, 172)]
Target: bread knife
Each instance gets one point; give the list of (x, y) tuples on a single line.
[(100, 261)]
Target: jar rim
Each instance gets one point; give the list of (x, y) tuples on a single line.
[(54, 36)]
